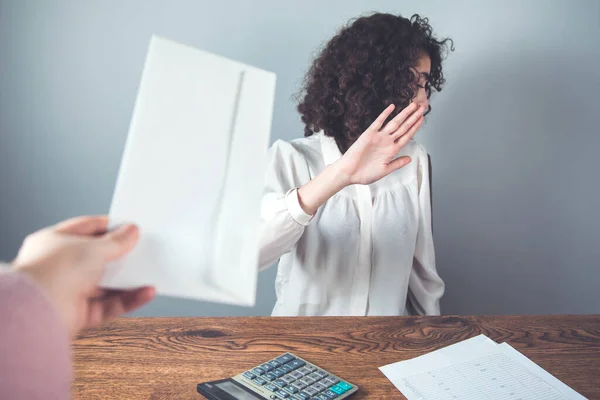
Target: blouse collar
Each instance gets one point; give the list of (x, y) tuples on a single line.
[(331, 152)]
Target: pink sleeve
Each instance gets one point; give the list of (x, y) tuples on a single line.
[(35, 361)]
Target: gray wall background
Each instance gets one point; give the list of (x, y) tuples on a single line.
[(514, 137)]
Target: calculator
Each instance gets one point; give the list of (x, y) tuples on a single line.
[(285, 377)]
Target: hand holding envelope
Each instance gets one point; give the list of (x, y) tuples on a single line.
[(192, 175)]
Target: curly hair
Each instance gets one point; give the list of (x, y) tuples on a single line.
[(367, 66)]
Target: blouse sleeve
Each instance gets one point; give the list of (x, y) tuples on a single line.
[(425, 285), (282, 218)]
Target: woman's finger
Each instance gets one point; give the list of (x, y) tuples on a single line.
[(399, 119), (116, 243), (398, 163), (87, 226), (407, 125), (402, 140), (116, 303), (378, 123)]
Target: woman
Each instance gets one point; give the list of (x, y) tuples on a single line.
[(347, 209)]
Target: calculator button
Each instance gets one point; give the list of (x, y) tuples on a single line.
[(271, 387), (260, 381), (281, 395), (258, 371), (310, 391), (330, 394), (295, 375), (330, 380), (274, 363), (280, 383), (321, 373), (304, 396), (295, 364), (345, 385), (299, 385), (304, 371), (270, 376), (318, 387), (307, 381), (315, 377), (311, 368), (278, 372), (267, 367), (291, 389), (321, 397), (287, 357), (288, 379), (338, 389), (249, 375), (286, 368)]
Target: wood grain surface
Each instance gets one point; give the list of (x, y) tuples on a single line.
[(164, 358)]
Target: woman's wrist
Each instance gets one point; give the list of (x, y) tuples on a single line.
[(320, 189)]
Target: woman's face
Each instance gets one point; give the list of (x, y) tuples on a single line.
[(423, 69)]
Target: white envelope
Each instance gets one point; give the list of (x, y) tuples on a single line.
[(192, 176)]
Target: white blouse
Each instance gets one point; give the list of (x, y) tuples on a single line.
[(367, 251)]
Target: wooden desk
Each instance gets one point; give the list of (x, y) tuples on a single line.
[(164, 358)]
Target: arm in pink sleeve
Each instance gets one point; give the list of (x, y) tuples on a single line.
[(35, 359)]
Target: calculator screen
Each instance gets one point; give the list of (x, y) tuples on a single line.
[(234, 390)]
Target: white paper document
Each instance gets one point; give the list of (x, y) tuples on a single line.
[(192, 175), (476, 369)]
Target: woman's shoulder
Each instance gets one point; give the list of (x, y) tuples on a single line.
[(307, 148)]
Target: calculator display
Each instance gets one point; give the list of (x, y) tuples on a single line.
[(237, 392)]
